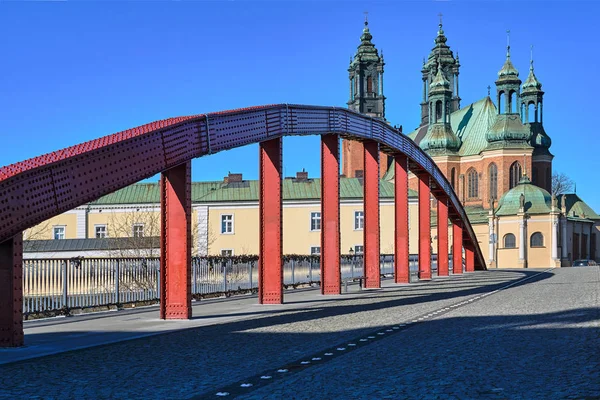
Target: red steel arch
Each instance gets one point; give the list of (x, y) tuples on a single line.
[(34, 190)]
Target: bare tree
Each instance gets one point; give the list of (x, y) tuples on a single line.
[(561, 183)]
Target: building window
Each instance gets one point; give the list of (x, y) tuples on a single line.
[(226, 252), (537, 240), (100, 231), (453, 178), (493, 172), (359, 220), (315, 221), (315, 250), (515, 174), (138, 230), (226, 223), (369, 84), (473, 183), (59, 232), (509, 241), (359, 249)]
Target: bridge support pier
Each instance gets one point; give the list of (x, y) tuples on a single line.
[(11, 292), (401, 272), (270, 268), (330, 215), (424, 227), (175, 243), (371, 211), (442, 237), (469, 258), (457, 238)]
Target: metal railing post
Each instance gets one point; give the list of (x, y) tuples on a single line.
[(65, 288), (293, 272), (117, 275), (251, 266), (194, 277), (224, 264)]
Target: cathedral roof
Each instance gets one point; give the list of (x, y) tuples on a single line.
[(470, 124), (577, 208), (508, 131), (537, 200)]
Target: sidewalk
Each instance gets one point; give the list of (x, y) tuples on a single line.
[(61, 334)]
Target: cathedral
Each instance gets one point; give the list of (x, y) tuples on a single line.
[(494, 152)]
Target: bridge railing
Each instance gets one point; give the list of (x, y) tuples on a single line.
[(51, 285)]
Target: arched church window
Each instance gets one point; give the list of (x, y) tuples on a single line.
[(493, 173), (515, 174), (453, 178), (438, 110), (473, 183), (369, 84), (510, 242), (511, 102), (531, 112), (537, 240), (501, 102)]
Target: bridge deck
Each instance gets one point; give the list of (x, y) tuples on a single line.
[(527, 333)]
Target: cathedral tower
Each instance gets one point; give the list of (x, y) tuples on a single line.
[(365, 74), (440, 58)]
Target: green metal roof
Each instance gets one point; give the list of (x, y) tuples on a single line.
[(470, 124), (247, 190), (577, 207), (537, 200)]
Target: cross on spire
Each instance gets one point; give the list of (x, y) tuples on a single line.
[(508, 43), (440, 15), (531, 60), (366, 17), (488, 88)]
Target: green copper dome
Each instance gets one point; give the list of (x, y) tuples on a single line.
[(440, 139), (439, 83), (508, 72), (531, 83), (537, 200), (508, 128), (366, 50)]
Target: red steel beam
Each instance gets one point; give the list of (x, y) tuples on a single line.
[(270, 271), (457, 236), (11, 292), (371, 209), (442, 234), (424, 227), (401, 273), (175, 242), (469, 259), (330, 215)]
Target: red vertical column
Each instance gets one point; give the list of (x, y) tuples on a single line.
[(175, 243), (424, 227), (11, 292), (457, 248), (401, 273), (469, 259), (270, 269), (442, 234), (371, 228), (330, 215)]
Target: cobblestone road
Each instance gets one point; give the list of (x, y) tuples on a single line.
[(472, 337)]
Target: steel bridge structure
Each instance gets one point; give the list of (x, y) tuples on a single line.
[(37, 189)]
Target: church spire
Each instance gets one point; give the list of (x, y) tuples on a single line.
[(440, 57), (366, 77)]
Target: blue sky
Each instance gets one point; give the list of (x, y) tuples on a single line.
[(76, 70)]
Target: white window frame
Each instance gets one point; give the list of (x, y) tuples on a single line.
[(96, 226), (359, 218), (138, 224), (315, 247), (231, 223), (356, 252), (230, 255), (313, 217), (64, 232)]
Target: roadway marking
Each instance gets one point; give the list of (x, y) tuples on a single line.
[(260, 380)]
